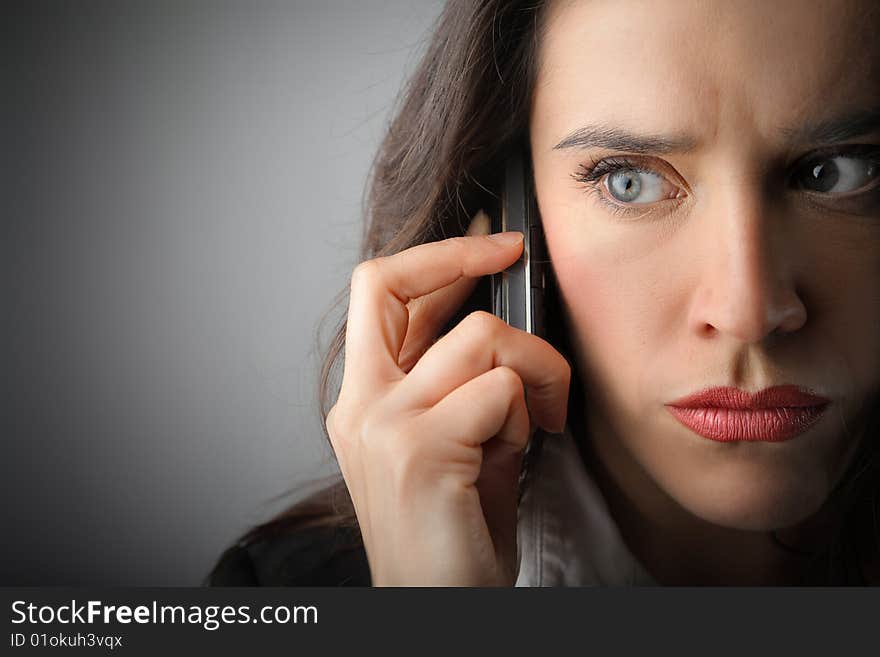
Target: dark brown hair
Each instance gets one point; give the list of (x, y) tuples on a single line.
[(465, 107)]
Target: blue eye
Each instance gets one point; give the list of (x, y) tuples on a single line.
[(636, 186), (624, 184)]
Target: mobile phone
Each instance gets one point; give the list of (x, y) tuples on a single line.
[(518, 292)]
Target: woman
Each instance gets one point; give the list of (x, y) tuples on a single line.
[(707, 177)]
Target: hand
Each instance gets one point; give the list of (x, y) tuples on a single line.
[(429, 434)]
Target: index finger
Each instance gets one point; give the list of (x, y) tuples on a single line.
[(381, 288)]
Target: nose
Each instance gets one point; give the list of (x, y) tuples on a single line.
[(748, 265)]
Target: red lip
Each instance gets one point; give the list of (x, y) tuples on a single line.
[(728, 414)]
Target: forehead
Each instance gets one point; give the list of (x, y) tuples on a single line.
[(669, 65)]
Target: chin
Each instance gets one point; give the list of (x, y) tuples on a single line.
[(753, 501)]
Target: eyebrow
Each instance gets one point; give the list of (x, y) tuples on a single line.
[(857, 124), (603, 136)]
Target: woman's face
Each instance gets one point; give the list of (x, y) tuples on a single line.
[(730, 257)]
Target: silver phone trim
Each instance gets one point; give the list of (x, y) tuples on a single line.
[(515, 215)]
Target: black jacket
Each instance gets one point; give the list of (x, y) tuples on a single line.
[(320, 556)]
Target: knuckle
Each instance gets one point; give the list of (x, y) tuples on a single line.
[(565, 368), (375, 431), (344, 420), (482, 322), (367, 429), (400, 444), (509, 380), (365, 273), (409, 463), (332, 420), (337, 428), (391, 445), (329, 419), (458, 243)]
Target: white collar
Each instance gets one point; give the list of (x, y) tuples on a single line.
[(565, 533)]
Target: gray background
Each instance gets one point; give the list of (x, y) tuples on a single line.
[(181, 202)]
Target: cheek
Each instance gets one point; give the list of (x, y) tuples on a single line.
[(845, 305), (611, 299)]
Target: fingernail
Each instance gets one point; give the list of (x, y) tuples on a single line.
[(479, 224), (510, 237)]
